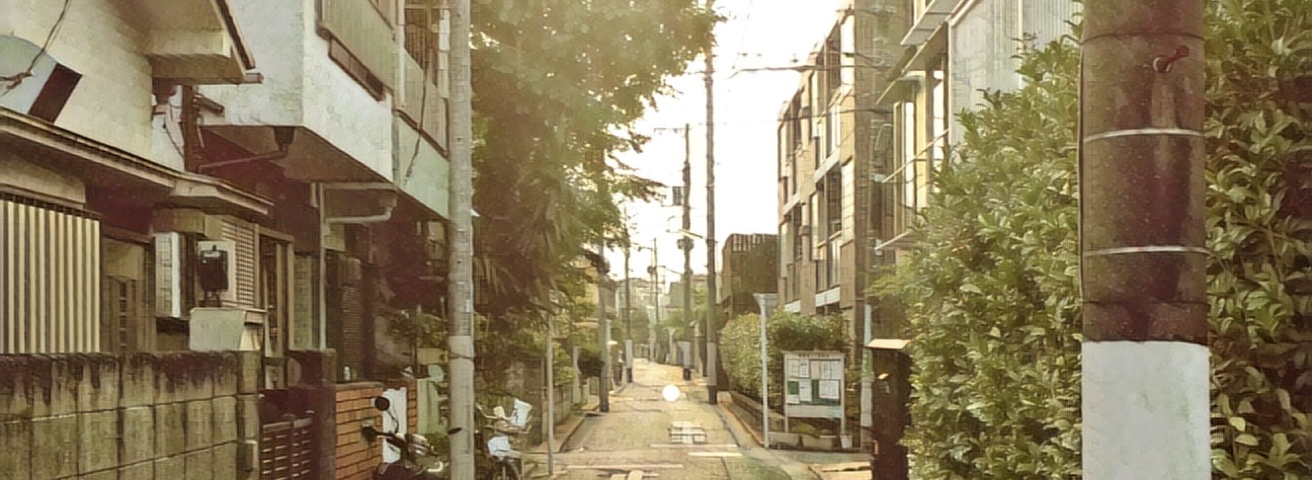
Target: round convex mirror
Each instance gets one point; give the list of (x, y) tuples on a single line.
[(382, 404)]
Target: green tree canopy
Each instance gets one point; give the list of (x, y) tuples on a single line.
[(557, 86)]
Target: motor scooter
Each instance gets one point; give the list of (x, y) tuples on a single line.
[(418, 460)]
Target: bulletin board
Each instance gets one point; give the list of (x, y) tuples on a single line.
[(813, 384)]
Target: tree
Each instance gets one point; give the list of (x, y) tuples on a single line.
[(558, 84)]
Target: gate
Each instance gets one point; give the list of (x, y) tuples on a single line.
[(287, 449)]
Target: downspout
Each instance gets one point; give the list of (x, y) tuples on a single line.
[(388, 203)]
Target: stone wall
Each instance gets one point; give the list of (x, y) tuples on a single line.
[(133, 417)]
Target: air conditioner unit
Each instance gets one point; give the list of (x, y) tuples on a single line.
[(225, 329)]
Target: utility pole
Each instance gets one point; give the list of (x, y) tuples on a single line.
[(628, 314), (460, 293), (712, 326), (685, 244), (1142, 237), (655, 301), (603, 331)]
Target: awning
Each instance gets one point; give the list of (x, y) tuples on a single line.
[(896, 344)]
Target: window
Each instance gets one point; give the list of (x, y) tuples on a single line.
[(54, 94)]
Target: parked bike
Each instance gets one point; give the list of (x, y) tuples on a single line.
[(507, 463), (418, 461)]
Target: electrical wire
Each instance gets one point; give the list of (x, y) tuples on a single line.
[(17, 79)]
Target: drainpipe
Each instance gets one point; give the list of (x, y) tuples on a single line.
[(388, 202), (283, 136)]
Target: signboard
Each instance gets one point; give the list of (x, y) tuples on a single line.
[(813, 385)]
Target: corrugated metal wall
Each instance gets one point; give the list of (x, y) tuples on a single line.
[(49, 278), (1047, 19), (984, 38)]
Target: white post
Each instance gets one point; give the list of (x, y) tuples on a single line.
[(767, 302)]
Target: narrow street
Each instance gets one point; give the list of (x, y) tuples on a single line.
[(635, 436)]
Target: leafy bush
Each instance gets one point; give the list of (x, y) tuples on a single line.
[(740, 347), (1259, 226), (990, 287), (990, 290)]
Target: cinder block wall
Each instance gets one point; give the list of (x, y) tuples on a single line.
[(133, 417)]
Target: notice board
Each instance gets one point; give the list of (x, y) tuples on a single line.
[(813, 384)]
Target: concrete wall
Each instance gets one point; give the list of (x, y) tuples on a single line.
[(112, 101), (134, 417)]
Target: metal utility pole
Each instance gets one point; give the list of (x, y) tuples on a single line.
[(712, 326), (603, 333), (460, 293), (685, 244), (628, 321), (1145, 358)]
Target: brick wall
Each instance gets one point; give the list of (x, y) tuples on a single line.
[(355, 458), (133, 417)]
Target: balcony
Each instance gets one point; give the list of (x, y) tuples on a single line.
[(929, 15), (334, 88), (191, 41)]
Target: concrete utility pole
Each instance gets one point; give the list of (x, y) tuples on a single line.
[(1145, 357), (712, 327), (655, 323), (685, 244), (628, 318), (603, 331), (460, 293)]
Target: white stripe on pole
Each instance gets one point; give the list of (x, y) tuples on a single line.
[(1139, 399)]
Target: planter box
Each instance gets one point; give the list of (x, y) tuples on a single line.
[(780, 439), (824, 442)]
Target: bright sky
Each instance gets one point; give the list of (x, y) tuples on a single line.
[(756, 34)]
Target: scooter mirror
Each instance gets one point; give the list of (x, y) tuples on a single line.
[(369, 433), (382, 404)]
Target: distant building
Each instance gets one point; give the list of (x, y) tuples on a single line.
[(750, 266)]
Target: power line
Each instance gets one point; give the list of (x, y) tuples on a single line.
[(17, 79)]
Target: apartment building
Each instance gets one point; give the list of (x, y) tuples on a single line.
[(870, 121), (226, 175), (956, 50), (830, 207)]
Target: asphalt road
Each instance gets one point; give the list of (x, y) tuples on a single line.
[(635, 436)]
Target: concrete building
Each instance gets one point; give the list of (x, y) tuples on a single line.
[(859, 141), (954, 51), (749, 265), (227, 175)]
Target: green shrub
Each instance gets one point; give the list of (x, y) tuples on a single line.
[(990, 288), (740, 347)]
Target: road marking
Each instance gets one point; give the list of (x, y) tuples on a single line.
[(631, 466), (688, 445), (715, 454)]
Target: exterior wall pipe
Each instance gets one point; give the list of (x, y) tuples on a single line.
[(1145, 380)]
